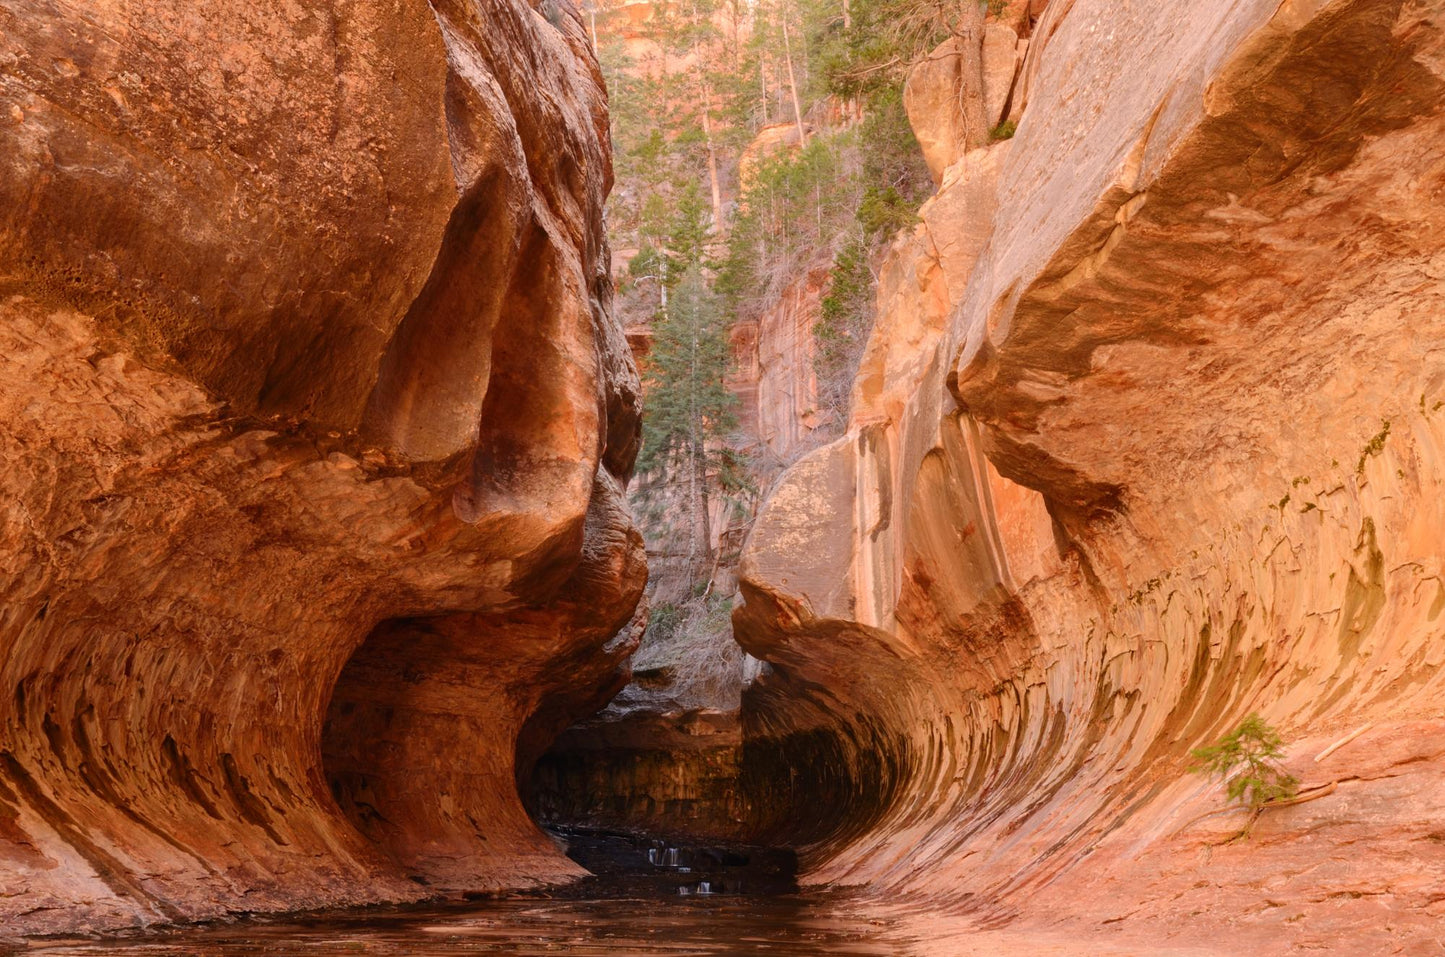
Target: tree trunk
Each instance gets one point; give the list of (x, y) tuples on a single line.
[(717, 216), (969, 38), (763, 88), (700, 548), (703, 519), (793, 83)]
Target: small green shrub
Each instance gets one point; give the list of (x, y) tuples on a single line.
[(1004, 131), (1248, 760), (1375, 446), (884, 211), (663, 621)]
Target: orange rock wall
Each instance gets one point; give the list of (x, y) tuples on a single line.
[(1160, 447), (786, 383), (315, 422)]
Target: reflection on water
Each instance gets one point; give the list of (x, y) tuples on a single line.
[(643, 867), (686, 924), (648, 898)]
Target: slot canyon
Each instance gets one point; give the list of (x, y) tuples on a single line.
[(341, 565)]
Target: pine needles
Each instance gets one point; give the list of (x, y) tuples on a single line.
[(1247, 759)]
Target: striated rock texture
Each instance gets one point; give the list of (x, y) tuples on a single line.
[(315, 422), (775, 378), (1148, 437), (670, 774)]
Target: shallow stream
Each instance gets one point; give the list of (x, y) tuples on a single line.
[(648, 898)]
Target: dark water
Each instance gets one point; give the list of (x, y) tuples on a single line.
[(648, 899), (616, 926)]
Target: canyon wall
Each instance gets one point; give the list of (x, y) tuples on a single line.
[(315, 420), (789, 407), (1148, 437), (773, 375)]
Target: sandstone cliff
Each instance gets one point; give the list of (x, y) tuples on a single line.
[(1147, 437), (315, 421)]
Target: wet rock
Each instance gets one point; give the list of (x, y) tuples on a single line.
[(666, 774)]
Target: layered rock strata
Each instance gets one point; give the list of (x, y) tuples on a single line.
[(1147, 438), (315, 422), (670, 774)]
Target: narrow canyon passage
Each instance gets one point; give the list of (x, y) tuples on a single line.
[(779, 477)]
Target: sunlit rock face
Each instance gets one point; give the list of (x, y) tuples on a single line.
[(785, 379), (1156, 445), (315, 421)]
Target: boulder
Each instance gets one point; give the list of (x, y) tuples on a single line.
[(1001, 57)]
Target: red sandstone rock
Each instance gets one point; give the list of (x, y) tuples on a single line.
[(932, 96), (785, 379), (1169, 454), (666, 774), (314, 419)]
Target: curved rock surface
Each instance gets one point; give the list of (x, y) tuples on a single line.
[(315, 421), (1148, 437)]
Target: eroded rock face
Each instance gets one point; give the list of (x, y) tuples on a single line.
[(789, 408), (668, 774), (930, 97), (315, 421), (932, 93), (1160, 448)]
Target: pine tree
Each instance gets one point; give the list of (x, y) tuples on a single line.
[(690, 411), (688, 230), (1248, 760)]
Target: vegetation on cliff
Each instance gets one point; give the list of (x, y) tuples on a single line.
[(1248, 761), (692, 412), (756, 145)]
